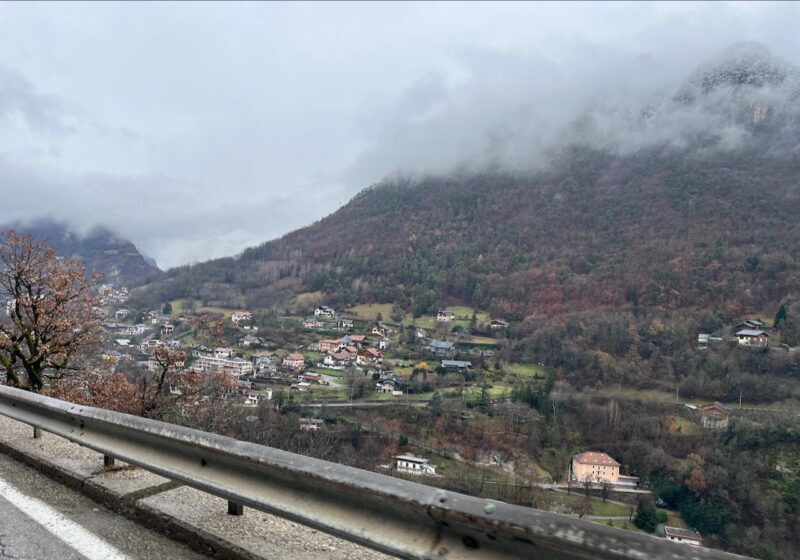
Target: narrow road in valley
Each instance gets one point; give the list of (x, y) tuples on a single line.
[(366, 404)]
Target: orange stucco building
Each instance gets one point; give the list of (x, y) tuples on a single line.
[(596, 466)]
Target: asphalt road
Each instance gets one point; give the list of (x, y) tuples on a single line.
[(41, 519)]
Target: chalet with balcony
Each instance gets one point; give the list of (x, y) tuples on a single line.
[(714, 416), (752, 337)]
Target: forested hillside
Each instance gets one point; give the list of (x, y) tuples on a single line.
[(660, 228)]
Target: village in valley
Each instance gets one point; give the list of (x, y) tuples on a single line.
[(362, 364)]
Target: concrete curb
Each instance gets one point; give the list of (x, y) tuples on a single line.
[(129, 506)]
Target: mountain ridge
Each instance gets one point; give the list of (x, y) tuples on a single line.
[(100, 249), (702, 219)]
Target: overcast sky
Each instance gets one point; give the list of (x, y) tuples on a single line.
[(199, 129)]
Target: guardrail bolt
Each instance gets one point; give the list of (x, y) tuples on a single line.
[(108, 461), (37, 432), (235, 508)]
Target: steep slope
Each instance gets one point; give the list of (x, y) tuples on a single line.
[(117, 259), (659, 228), (702, 217)]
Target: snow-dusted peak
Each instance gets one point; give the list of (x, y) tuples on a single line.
[(745, 64)]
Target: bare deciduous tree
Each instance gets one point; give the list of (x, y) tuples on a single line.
[(48, 318), (586, 503)]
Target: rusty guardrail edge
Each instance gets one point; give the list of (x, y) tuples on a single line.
[(470, 526)]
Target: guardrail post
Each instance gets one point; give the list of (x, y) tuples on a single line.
[(108, 461), (37, 432), (235, 508)]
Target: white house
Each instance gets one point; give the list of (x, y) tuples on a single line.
[(135, 330), (344, 324), (414, 465), (311, 424), (147, 345), (223, 353), (324, 311), (387, 387), (238, 316), (445, 316), (456, 365), (312, 323), (232, 366), (685, 536)]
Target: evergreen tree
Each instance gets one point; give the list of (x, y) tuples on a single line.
[(645, 516), (167, 309), (780, 317), (436, 403)]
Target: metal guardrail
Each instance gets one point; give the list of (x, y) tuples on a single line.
[(388, 514)]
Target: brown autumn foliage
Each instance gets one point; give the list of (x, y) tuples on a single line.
[(48, 321)]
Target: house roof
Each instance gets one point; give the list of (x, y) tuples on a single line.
[(358, 338), (715, 406), (595, 458), (412, 459), (441, 344), (294, 357), (751, 332), (456, 363), (682, 533)]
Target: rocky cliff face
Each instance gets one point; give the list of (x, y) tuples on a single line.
[(748, 85)]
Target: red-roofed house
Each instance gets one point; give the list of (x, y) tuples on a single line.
[(596, 466), (369, 356)]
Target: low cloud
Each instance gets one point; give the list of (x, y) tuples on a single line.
[(199, 141), (516, 112)]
